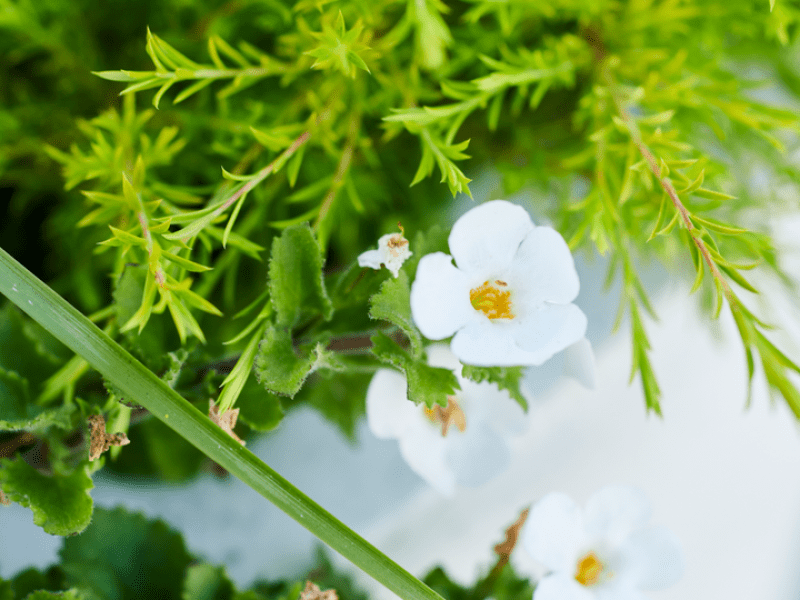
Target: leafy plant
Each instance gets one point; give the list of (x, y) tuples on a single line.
[(209, 221)]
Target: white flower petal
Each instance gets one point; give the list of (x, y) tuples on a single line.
[(579, 363), (493, 406), (561, 587), (389, 412), (424, 449), (487, 344), (371, 259), (485, 239), (652, 558), (554, 534), (548, 330), (616, 510), (440, 297), (476, 455), (618, 593), (392, 252), (439, 355), (543, 269)]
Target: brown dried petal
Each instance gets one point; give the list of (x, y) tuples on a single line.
[(312, 592), (102, 441), (226, 420)]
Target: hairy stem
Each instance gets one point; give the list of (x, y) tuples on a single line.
[(666, 184)]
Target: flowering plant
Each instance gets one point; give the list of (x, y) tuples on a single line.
[(189, 237), (463, 442), (509, 300), (604, 551)]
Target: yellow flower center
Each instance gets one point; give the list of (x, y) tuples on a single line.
[(492, 299), (450, 414), (589, 569)]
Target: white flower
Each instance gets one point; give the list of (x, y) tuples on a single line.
[(605, 551), (464, 443), (509, 300), (392, 252)]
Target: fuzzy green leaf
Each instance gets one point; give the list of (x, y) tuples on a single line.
[(426, 385), (61, 504), (18, 413), (297, 288), (279, 369), (393, 303)]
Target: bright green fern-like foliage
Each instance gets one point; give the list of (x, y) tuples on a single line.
[(209, 220)]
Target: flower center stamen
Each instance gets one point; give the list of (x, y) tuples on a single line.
[(492, 300), (396, 244), (450, 414), (589, 569)]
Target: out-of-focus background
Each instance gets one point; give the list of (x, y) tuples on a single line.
[(723, 477)]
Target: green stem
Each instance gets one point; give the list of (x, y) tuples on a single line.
[(63, 321)]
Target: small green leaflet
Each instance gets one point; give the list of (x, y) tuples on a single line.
[(426, 385), (281, 370), (393, 303)]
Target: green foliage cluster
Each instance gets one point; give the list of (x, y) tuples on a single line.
[(209, 220), (124, 556)]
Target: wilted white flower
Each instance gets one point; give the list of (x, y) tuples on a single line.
[(509, 299), (392, 252), (603, 552), (464, 443)]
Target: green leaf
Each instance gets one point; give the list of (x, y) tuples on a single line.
[(393, 303), (18, 413), (27, 349), (426, 385), (712, 195), (278, 367), (506, 378), (61, 504), (124, 75), (297, 288), (206, 582), (187, 264), (259, 409), (124, 556)]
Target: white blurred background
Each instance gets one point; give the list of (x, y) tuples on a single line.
[(725, 479)]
